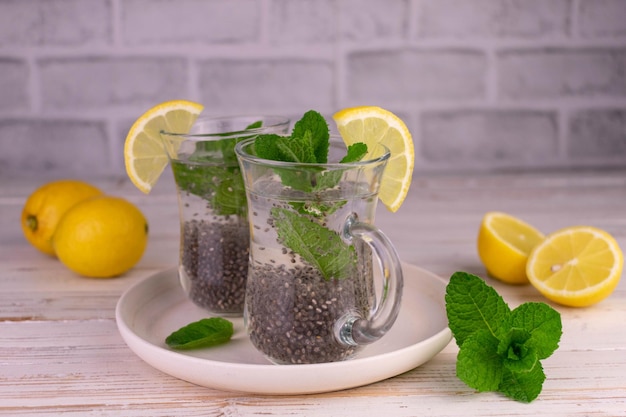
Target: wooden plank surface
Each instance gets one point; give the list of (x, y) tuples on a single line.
[(61, 353)]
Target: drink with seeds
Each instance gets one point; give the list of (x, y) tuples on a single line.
[(310, 295), (292, 306), (214, 241)]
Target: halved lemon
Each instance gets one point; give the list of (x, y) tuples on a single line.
[(372, 125), (576, 266), (504, 243), (144, 154)]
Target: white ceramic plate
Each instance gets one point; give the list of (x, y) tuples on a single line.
[(152, 309)]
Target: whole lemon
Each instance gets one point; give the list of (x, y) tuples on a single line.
[(45, 207), (101, 237)]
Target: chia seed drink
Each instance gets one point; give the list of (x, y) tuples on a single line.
[(214, 229), (310, 294), (214, 242), (291, 308)]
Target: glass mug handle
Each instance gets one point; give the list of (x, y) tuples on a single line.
[(352, 329)]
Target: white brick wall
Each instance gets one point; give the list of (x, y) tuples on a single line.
[(483, 84)]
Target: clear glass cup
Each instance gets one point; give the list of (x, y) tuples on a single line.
[(311, 295), (214, 233)]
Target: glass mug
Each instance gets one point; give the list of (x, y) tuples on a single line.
[(310, 294), (214, 233)]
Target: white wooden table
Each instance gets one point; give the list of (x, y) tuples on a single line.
[(61, 353)]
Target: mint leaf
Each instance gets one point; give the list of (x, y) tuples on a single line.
[(221, 186), (329, 179), (516, 354), (213, 163), (265, 146), (472, 305), (255, 125), (287, 149), (478, 363), (500, 349), (312, 123), (316, 244), (301, 150), (543, 324), (230, 195), (356, 152), (523, 386), (200, 334)]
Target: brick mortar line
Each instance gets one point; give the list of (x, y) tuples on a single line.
[(120, 112), (245, 51)]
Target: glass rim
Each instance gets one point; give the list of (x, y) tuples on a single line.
[(241, 153), (276, 122)]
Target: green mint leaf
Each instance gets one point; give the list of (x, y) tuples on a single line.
[(500, 349), (543, 323), (313, 123), (230, 195), (478, 362), (214, 162), (221, 186), (301, 150), (472, 305), (330, 179), (516, 354), (325, 180), (200, 334), (195, 178), (523, 386), (255, 125), (266, 147), (316, 244), (287, 149), (356, 152)]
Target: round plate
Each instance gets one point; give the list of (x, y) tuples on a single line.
[(152, 309)]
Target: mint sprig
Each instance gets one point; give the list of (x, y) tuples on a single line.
[(308, 143), (302, 229), (200, 334), (500, 349)]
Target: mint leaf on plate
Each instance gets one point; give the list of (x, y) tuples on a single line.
[(201, 334), (500, 349)]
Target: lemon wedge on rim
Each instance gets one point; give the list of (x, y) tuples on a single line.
[(144, 155), (374, 125)]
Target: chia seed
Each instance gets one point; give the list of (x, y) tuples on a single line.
[(291, 311), (214, 264)]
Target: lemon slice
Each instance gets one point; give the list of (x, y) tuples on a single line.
[(372, 125), (144, 154), (576, 266), (504, 243)]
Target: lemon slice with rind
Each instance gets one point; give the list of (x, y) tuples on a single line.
[(576, 266), (144, 155), (374, 125)]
